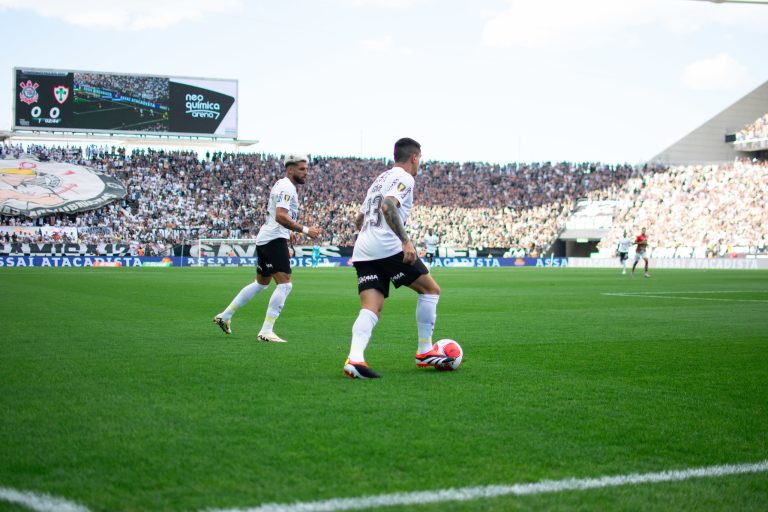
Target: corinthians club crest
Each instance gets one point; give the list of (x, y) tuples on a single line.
[(29, 92), (61, 93), (31, 188)]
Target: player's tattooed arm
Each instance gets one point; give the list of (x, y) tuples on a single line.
[(392, 217), (395, 222)]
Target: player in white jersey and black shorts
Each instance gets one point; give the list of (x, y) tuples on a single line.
[(384, 253), (272, 249), (622, 251), (431, 240)]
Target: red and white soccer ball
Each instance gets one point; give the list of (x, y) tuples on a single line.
[(450, 348)]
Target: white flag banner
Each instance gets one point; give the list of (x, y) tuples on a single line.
[(32, 188)]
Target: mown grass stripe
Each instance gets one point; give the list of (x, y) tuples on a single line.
[(492, 491)]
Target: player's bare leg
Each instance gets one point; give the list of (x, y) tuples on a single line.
[(646, 274)]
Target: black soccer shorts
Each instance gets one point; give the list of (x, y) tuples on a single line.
[(377, 274), (273, 257)]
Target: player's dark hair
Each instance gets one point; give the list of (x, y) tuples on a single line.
[(405, 148)]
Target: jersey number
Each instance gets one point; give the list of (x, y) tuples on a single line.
[(373, 212)]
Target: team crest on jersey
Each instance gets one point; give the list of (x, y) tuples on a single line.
[(61, 93), (400, 187), (286, 197), (29, 92)]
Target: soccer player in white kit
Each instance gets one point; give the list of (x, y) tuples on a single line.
[(272, 250), (622, 251), (383, 252), (431, 241)]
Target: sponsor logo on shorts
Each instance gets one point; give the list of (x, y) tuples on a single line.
[(397, 276), (367, 279)]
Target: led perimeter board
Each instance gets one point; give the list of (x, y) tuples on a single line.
[(88, 101)]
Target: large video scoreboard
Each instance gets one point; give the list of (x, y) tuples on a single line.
[(58, 100)]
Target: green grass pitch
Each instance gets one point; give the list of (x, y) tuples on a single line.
[(118, 392)]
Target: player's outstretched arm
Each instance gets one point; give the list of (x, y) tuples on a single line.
[(284, 219), (395, 222)]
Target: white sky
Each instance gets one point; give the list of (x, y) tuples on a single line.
[(488, 80)]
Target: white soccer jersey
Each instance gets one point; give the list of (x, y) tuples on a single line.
[(283, 195), (431, 241), (376, 240), (625, 244)]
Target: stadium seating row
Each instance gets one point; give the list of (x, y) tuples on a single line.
[(178, 196)]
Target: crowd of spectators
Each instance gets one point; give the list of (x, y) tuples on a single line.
[(697, 210), (145, 87), (179, 196), (756, 130)]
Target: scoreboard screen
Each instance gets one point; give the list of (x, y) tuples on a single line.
[(84, 101)]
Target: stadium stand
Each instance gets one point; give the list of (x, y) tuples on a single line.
[(180, 196), (175, 196), (756, 130), (697, 210)]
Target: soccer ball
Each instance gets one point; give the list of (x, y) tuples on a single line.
[(450, 348)]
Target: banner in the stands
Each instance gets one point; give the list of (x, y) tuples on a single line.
[(32, 188), (301, 262)]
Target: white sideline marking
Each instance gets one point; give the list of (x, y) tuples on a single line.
[(39, 502), (702, 291), (492, 491), (671, 295)]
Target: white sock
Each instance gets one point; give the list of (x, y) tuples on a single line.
[(243, 298), (276, 303), (426, 314), (361, 334)]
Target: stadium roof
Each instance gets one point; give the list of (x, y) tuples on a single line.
[(761, 2), (707, 143), (125, 140)]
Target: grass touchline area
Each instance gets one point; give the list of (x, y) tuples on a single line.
[(119, 393)]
